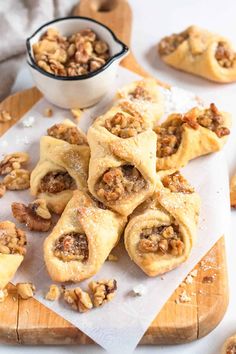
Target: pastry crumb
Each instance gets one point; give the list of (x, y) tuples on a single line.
[(48, 112), (103, 291), (139, 290), (5, 116), (189, 279), (112, 258), (184, 297), (193, 273), (28, 122), (25, 290), (3, 295), (76, 113), (53, 294), (78, 299)]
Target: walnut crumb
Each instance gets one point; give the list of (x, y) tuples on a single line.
[(112, 258), (53, 294), (3, 295), (76, 113), (2, 189), (78, 299), (25, 290), (5, 116), (48, 112), (35, 216), (103, 291)]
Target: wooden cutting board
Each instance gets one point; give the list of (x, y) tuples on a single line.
[(29, 322)]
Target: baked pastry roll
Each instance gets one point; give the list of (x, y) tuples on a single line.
[(12, 251), (63, 165), (229, 346), (182, 138), (122, 165), (145, 97), (200, 52), (82, 239), (161, 232)]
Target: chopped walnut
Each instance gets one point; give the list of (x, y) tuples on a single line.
[(25, 290), (78, 54), (162, 240), (225, 56), (13, 162), (12, 239), (103, 291), (5, 116), (48, 112), (3, 295), (35, 216), (176, 183), (17, 180), (67, 133), (140, 93), (2, 189), (72, 246), (170, 43), (76, 113), (119, 182), (124, 125), (56, 182), (78, 299), (53, 294)]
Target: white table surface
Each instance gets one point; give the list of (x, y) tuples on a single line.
[(153, 19)]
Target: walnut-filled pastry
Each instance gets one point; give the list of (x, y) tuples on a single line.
[(12, 251), (161, 231), (82, 239), (182, 138), (63, 165), (229, 346), (122, 165), (145, 97), (200, 52)]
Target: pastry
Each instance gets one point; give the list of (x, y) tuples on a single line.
[(82, 239), (145, 97), (63, 166), (182, 138), (229, 346), (161, 231), (122, 165), (12, 251), (233, 192), (200, 52)]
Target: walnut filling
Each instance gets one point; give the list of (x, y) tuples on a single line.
[(72, 247), (177, 183), (66, 133), (212, 119), (164, 239), (225, 55), (140, 93), (125, 126), (169, 44), (231, 349), (169, 137), (56, 182), (12, 239), (119, 182)]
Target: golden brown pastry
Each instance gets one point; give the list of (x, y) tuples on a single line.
[(12, 251), (63, 165), (145, 97), (82, 239), (182, 138), (122, 165), (229, 346), (233, 192), (200, 52), (161, 232)]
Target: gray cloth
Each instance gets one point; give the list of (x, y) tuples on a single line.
[(18, 20)]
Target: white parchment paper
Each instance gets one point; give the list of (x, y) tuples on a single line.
[(119, 325)]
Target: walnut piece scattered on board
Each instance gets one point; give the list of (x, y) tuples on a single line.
[(53, 294), (25, 290), (78, 299)]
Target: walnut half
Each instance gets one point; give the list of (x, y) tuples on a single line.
[(35, 216), (13, 162), (78, 299), (17, 180), (103, 291)]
